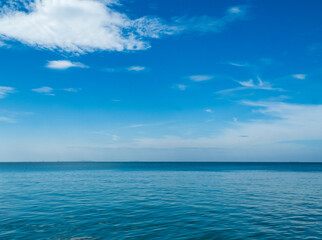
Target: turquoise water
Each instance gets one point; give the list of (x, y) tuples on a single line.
[(160, 201)]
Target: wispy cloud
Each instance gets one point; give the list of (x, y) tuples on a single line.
[(200, 78), (235, 10), (260, 85), (210, 24), (4, 91), (44, 90), (136, 68), (299, 76), (137, 125), (114, 137), (181, 87), (7, 119), (72, 89), (249, 83), (208, 110), (140, 125), (238, 64), (125, 69), (287, 126), (60, 25), (11, 116), (64, 64), (280, 133)]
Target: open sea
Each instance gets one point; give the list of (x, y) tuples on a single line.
[(163, 201)]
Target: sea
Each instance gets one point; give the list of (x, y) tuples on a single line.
[(164, 200)]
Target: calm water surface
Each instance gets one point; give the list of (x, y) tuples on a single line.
[(160, 201)]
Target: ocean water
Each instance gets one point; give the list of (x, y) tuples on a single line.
[(160, 201)]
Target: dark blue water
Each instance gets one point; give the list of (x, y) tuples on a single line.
[(160, 201)]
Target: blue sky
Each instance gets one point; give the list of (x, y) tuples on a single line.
[(140, 80)]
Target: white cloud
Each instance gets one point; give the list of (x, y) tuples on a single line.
[(81, 26), (181, 87), (72, 89), (7, 120), (208, 110), (261, 85), (238, 64), (44, 90), (200, 78), (78, 26), (299, 76), (248, 84), (153, 27), (136, 68), (288, 122), (284, 132), (64, 64), (125, 69), (9, 116), (114, 137), (235, 10), (4, 91)]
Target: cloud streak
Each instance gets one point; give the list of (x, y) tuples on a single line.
[(136, 68), (64, 64), (7, 119), (283, 134), (260, 85), (72, 90), (237, 64), (205, 23), (181, 87), (299, 76), (4, 91), (200, 78), (44, 90)]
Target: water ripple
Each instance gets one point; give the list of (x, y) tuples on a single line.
[(78, 204)]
